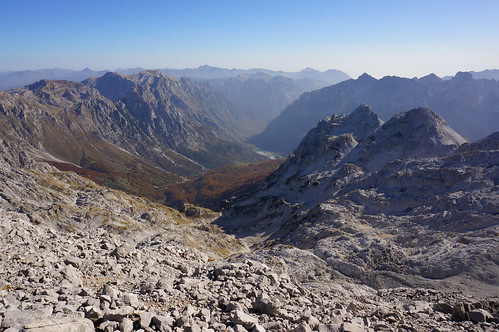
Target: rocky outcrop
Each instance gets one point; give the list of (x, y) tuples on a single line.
[(97, 280), (328, 143), (416, 134), (409, 204)]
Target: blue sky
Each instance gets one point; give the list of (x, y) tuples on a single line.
[(404, 38)]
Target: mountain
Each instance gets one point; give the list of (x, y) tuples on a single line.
[(136, 133), (16, 79), (403, 203), (471, 106), (264, 96), (206, 72), (488, 74), (21, 78)]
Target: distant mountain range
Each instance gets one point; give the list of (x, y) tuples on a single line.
[(135, 133), (16, 79), (489, 74), (206, 72), (471, 106), (263, 93)]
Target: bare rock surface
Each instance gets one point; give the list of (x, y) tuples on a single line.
[(408, 204)]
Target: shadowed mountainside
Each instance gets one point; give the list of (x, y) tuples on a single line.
[(263, 95)]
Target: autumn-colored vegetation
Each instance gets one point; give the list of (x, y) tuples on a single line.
[(140, 183), (210, 189)]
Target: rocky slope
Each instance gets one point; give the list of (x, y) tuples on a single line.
[(80, 257), (408, 204), (471, 106), (141, 131)]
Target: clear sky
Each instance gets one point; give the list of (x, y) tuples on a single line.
[(381, 37)]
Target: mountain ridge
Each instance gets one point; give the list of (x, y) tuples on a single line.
[(157, 127), (396, 210), (16, 79), (469, 105)]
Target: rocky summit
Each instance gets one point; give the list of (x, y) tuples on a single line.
[(361, 229)]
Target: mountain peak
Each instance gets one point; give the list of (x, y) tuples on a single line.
[(112, 74), (38, 84), (430, 78), (53, 84), (207, 67), (418, 133), (366, 77), (362, 109), (462, 76), (151, 72), (111, 85), (326, 144), (308, 70)]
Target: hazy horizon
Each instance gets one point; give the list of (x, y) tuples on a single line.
[(379, 38), (251, 68)]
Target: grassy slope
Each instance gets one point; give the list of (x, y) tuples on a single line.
[(210, 189)]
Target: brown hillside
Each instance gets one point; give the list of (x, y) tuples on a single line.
[(210, 189)]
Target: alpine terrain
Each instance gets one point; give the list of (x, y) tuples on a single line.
[(469, 105), (367, 226), (136, 133)]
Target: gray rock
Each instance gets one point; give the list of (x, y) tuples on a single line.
[(162, 323), (74, 261), (111, 292), (258, 328), (145, 319), (193, 328), (69, 324), (304, 327), (19, 318), (126, 325), (122, 251), (131, 300), (479, 316), (263, 304), (241, 318)]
